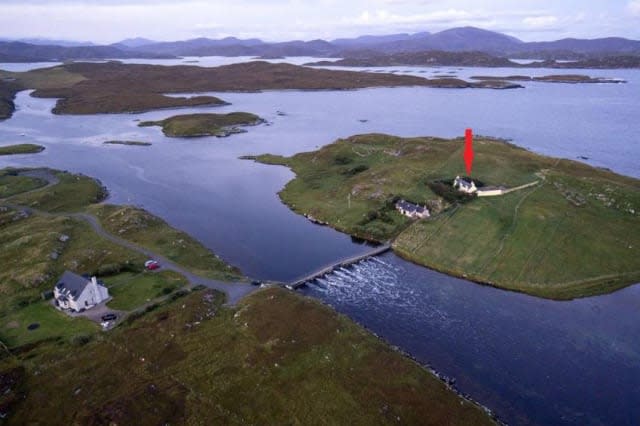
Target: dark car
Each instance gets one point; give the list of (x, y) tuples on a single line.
[(109, 317), (256, 282)]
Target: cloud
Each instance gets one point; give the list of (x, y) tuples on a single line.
[(634, 7), (540, 21)]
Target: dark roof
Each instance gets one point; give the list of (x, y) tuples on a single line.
[(410, 207), (71, 283)]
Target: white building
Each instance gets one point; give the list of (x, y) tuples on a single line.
[(76, 293), (412, 210), (465, 185)]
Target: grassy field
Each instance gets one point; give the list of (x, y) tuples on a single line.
[(149, 231), (11, 183), (575, 234), (73, 193), (52, 325), (130, 291), (277, 359), (25, 148), (198, 125)]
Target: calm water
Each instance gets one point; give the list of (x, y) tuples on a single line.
[(529, 359)]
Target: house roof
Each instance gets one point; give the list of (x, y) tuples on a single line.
[(72, 284), (410, 207)]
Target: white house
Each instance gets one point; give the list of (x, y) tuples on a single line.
[(465, 185), (412, 210), (76, 293)]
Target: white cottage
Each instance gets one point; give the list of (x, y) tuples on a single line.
[(76, 293), (411, 210), (465, 185)]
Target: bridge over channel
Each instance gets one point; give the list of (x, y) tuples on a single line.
[(339, 264)]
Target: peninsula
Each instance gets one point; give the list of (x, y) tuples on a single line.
[(516, 241)]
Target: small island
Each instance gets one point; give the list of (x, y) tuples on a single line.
[(509, 226), (557, 78), (128, 143), (201, 125), (25, 148)]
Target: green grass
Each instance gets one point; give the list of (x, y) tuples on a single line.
[(197, 125), (573, 235), (130, 291), (149, 231), (12, 184), (24, 148), (277, 359), (73, 193), (53, 325)]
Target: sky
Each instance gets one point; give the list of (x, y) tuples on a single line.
[(107, 21)]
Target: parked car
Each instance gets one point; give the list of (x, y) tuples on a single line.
[(109, 317), (256, 282), (151, 265)]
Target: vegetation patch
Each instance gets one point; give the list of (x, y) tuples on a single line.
[(130, 143), (25, 148), (71, 193), (130, 291), (146, 230), (11, 183), (194, 361), (573, 235), (198, 125)]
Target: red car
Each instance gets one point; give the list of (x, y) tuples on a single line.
[(151, 265)]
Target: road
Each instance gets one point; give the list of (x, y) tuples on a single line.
[(234, 291)]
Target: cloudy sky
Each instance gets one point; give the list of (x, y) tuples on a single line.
[(112, 20)]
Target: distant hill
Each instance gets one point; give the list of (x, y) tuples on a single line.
[(53, 42), (370, 40), (133, 42), (25, 52), (464, 39), (600, 46), (428, 58), (456, 39)]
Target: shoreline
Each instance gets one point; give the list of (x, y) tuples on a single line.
[(448, 381)]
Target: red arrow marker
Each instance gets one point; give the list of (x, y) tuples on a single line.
[(468, 151)]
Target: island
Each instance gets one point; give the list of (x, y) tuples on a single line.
[(557, 78), (436, 58), (176, 349), (128, 143), (24, 148), (199, 125), (114, 87), (515, 240)]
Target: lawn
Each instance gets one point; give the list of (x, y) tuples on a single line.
[(130, 291), (53, 324)]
